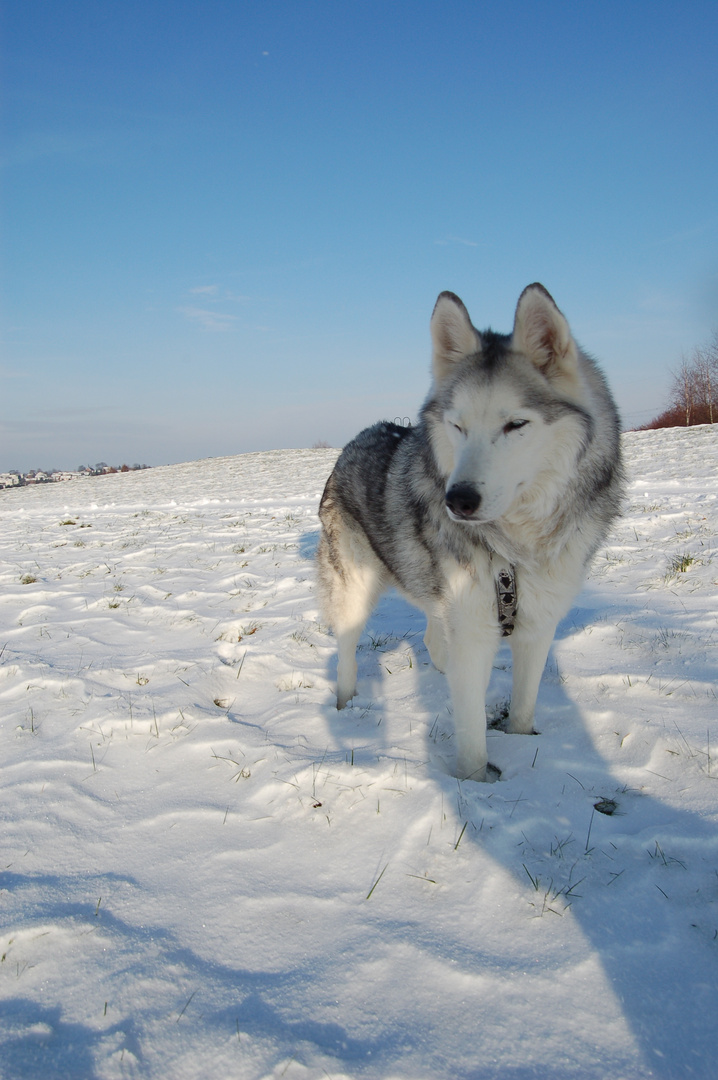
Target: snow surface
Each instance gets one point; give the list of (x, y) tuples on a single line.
[(207, 871)]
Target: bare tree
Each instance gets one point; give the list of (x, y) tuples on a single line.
[(684, 390), (694, 389), (703, 381), (710, 353)]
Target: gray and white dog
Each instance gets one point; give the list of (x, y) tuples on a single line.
[(485, 514)]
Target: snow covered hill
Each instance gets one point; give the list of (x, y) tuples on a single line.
[(208, 872)]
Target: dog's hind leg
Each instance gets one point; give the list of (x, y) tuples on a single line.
[(351, 581), (364, 586)]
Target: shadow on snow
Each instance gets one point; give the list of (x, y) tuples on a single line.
[(662, 967)]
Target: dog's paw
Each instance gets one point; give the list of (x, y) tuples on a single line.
[(517, 726), (484, 774), (471, 771)]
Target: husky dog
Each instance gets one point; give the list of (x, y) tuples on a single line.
[(485, 514)]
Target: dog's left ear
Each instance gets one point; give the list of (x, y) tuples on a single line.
[(542, 334)]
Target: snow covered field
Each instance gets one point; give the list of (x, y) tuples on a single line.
[(207, 872)]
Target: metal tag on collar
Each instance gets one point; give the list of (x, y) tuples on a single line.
[(506, 599)]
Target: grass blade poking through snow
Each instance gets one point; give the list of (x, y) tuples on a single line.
[(381, 875), (461, 834)]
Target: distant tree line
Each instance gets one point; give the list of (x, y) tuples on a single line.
[(693, 390), (102, 468), (15, 478)]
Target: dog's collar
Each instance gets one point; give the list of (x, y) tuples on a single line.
[(506, 599)]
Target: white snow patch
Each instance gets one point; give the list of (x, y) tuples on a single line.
[(209, 872)]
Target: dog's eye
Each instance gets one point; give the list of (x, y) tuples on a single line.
[(457, 427), (514, 425)]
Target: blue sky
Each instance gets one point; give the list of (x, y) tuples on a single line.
[(225, 224)]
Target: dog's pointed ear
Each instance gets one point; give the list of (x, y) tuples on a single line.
[(542, 334), (452, 334)]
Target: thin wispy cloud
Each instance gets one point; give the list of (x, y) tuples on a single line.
[(213, 294), (215, 321), (35, 146), (7, 373), (456, 240), (686, 235)]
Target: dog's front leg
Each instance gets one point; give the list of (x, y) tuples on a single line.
[(435, 640), (472, 645), (529, 651)]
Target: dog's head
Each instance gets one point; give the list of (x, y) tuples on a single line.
[(505, 410)]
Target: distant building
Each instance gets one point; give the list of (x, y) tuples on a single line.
[(13, 478)]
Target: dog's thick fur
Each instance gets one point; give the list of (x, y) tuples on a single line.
[(513, 466)]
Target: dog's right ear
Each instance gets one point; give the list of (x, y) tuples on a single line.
[(452, 334)]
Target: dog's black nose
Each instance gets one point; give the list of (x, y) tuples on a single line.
[(463, 500)]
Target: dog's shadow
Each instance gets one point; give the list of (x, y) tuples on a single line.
[(662, 967), (308, 543)]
